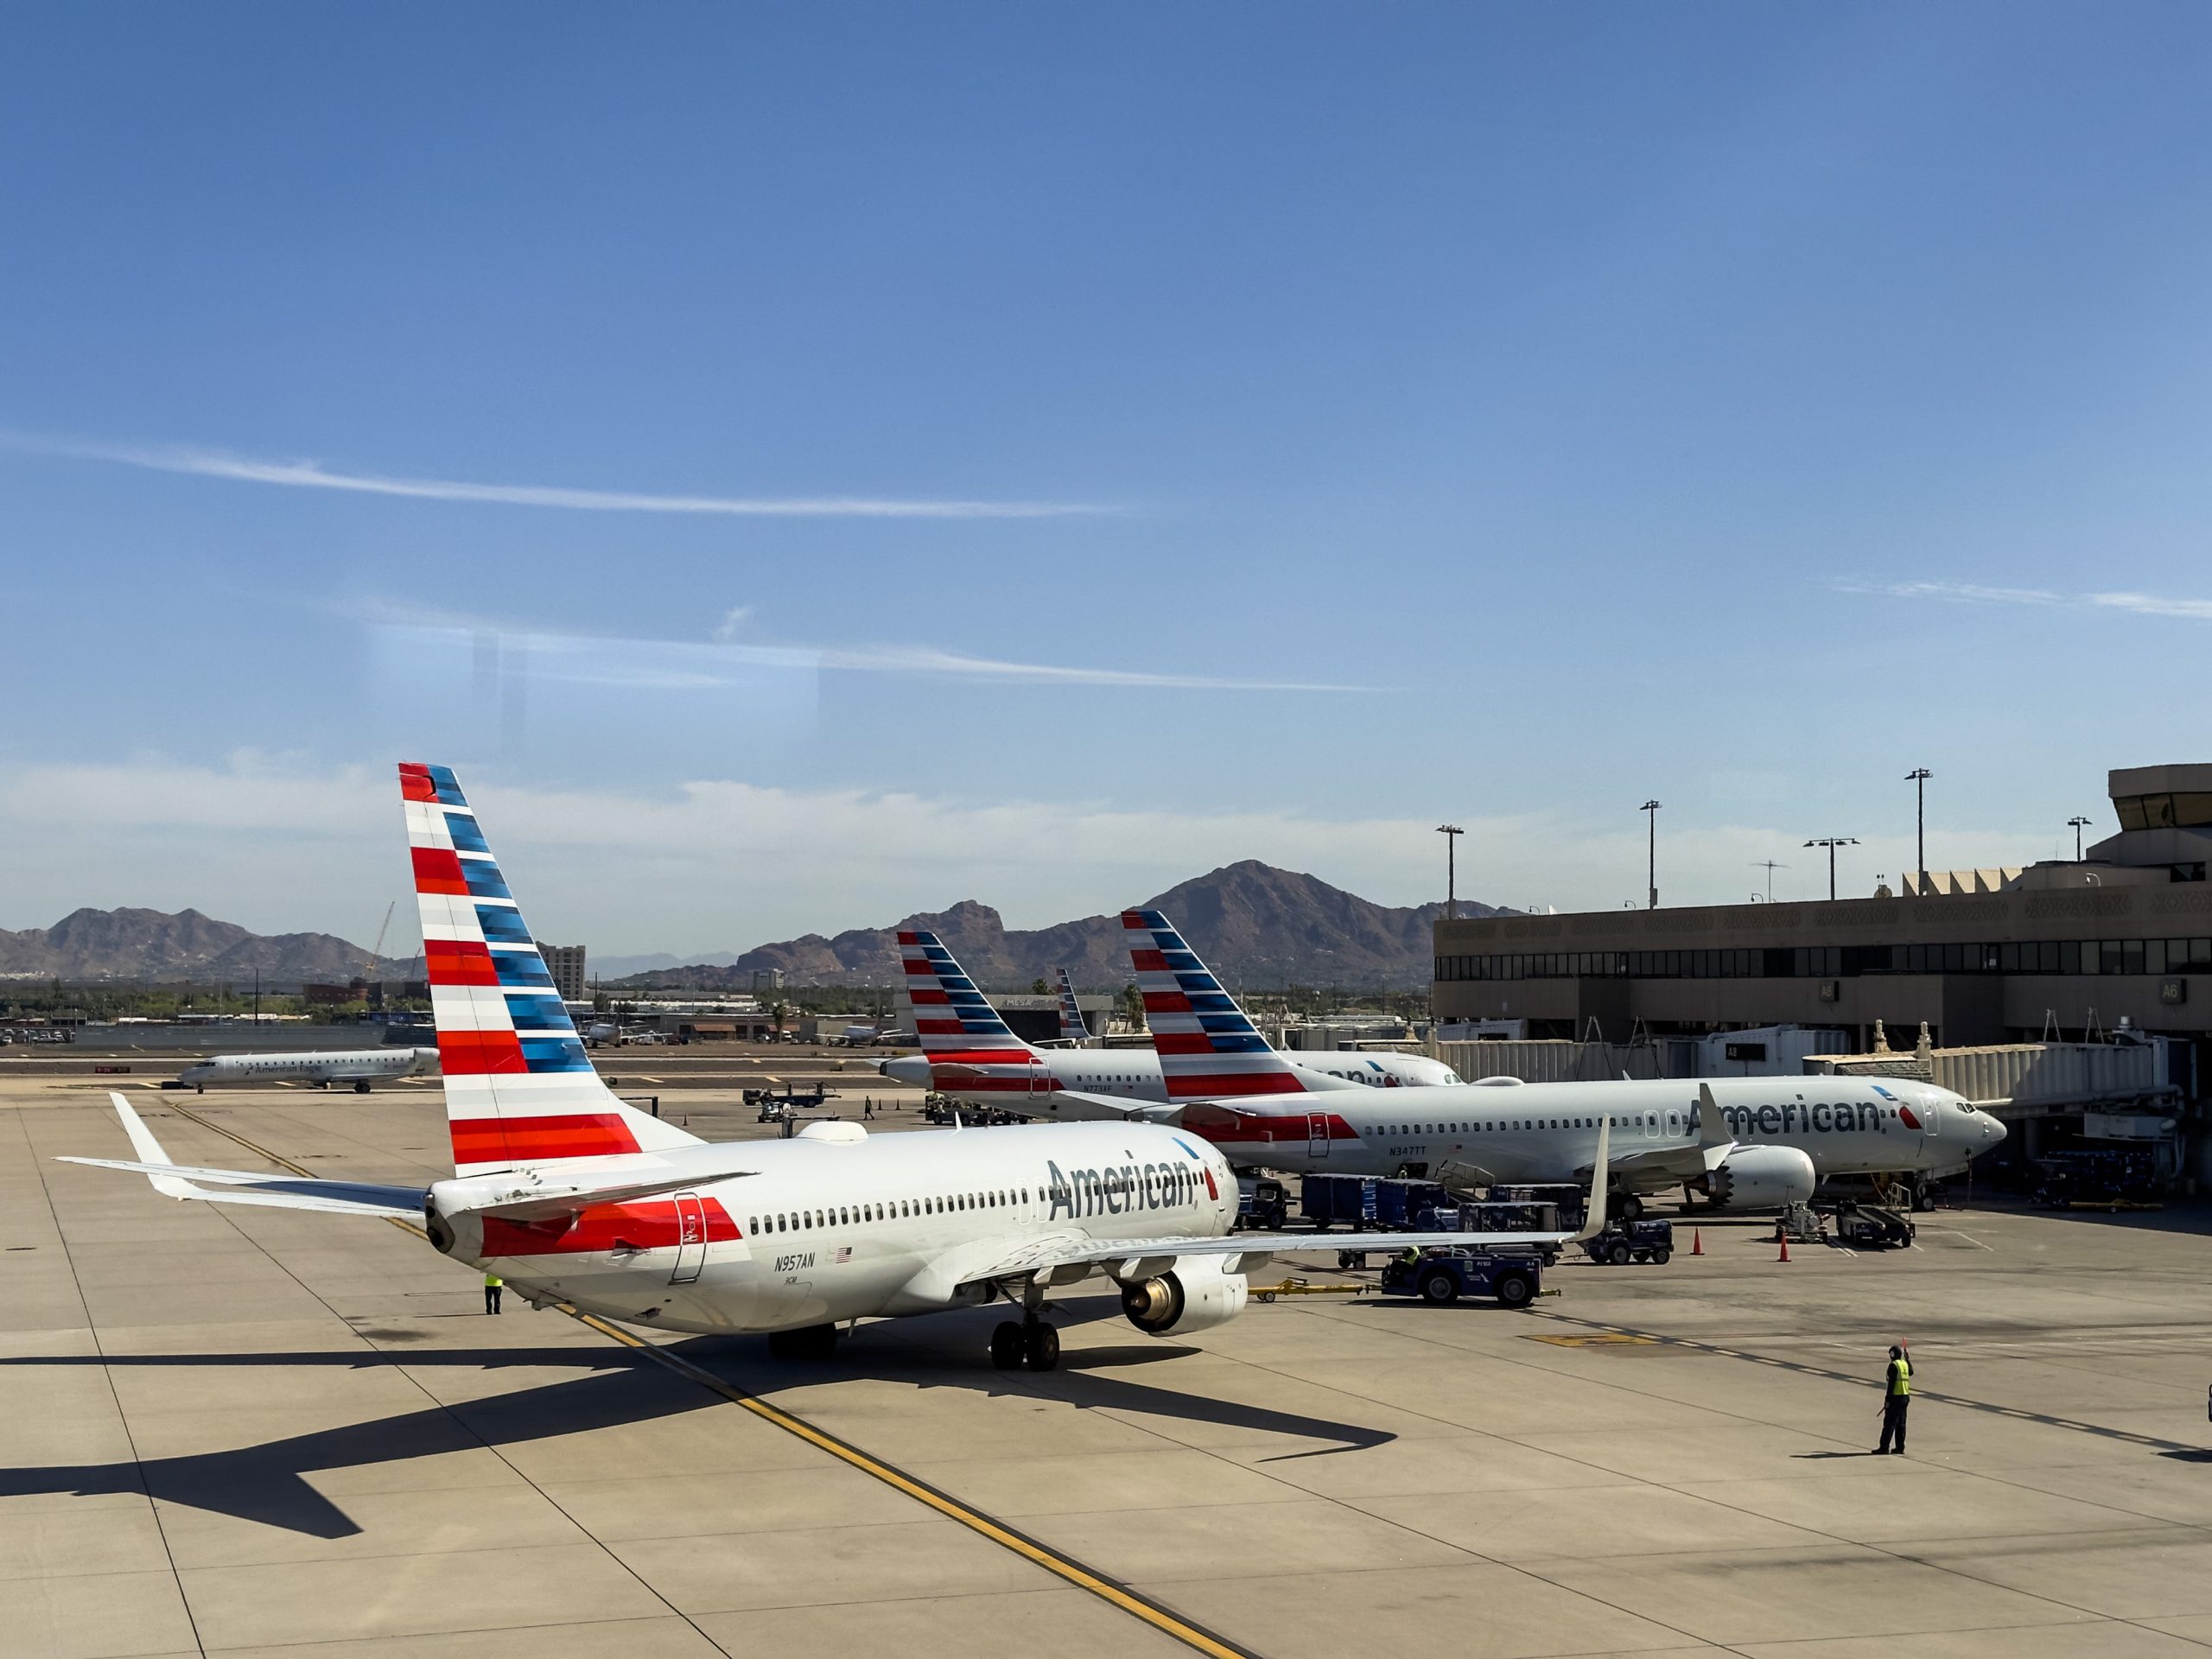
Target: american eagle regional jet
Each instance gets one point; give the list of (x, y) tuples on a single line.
[(571, 1195)]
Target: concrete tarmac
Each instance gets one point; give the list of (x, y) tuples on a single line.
[(264, 1432)]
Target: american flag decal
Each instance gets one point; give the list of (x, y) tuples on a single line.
[(844, 1252)]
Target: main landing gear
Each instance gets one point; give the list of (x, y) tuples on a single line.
[(1027, 1344)]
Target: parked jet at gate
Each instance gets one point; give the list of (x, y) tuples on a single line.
[(572, 1196), (1753, 1143), (358, 1067), (969, 1052)]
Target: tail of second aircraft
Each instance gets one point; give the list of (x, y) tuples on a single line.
[(1208, 1049), (519, 1090)]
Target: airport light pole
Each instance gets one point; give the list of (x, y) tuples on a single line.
[(2076, 824), (1451, 832), (1651, 856), (1918, 777), (1832, 842)]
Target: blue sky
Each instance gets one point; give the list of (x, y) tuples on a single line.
[(854, 459)]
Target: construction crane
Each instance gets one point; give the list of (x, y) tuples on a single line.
[(376, 951)]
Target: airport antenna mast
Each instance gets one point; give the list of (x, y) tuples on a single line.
[(1918, 777), (1651, 856), (1832, 842), (1769, 866), (2076, 823), (1451, 832)]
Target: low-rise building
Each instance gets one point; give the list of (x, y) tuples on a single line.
[(2121, 938)]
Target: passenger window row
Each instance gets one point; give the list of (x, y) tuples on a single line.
[(801, 1221), (1622, 1121)]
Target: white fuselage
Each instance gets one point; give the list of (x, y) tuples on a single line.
[(828, 1231), (1134, 1074), (1538, 1132), (336, 1065)]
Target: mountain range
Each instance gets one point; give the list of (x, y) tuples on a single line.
[(154, 945), (1258, 926)]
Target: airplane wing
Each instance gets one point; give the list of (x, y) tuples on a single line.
[(1714, 1143), (1108, 1107), (1139, 1258)]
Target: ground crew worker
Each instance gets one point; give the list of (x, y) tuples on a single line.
[(1409, 1256), (493, 1286), (1897, 1400), (867, 1106)]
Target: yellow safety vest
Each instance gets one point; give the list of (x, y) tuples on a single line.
[(492, 1282), (1900, 1379)]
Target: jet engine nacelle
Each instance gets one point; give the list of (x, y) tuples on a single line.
[(1197, 1295), (1762, 1178)]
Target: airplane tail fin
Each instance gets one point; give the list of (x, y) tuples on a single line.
[(519, 1090), (1072, 1029), (1207, 1048), (970, 1048)]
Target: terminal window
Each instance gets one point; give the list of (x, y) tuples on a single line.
[(1832, 961)]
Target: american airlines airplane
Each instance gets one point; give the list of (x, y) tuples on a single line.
[(358, 1067), (969, 1052), (572, 1196), (1750, 1142)]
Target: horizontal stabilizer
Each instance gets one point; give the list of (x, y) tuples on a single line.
[(249, 1186), (568, 1201)]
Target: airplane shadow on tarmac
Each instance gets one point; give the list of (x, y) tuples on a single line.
[(268, 1483)]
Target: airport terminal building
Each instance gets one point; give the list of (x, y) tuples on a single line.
[(1994, 956)]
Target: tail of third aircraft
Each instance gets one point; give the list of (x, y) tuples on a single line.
[(1072, 1029), (519, 1090)]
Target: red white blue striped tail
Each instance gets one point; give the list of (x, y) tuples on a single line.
[(1208, 1049), (519, 1090), (1072, 1030), (969, 1047)]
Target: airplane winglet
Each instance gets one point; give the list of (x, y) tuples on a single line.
[(149, 1150), (1594, 1222), (1714, 1138)]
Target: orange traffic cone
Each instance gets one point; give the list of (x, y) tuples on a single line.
[(1785, 1256), (1697, 1241)]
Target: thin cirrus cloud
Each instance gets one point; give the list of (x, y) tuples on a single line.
[(313, 475), (632, 663), (1968, 593)]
